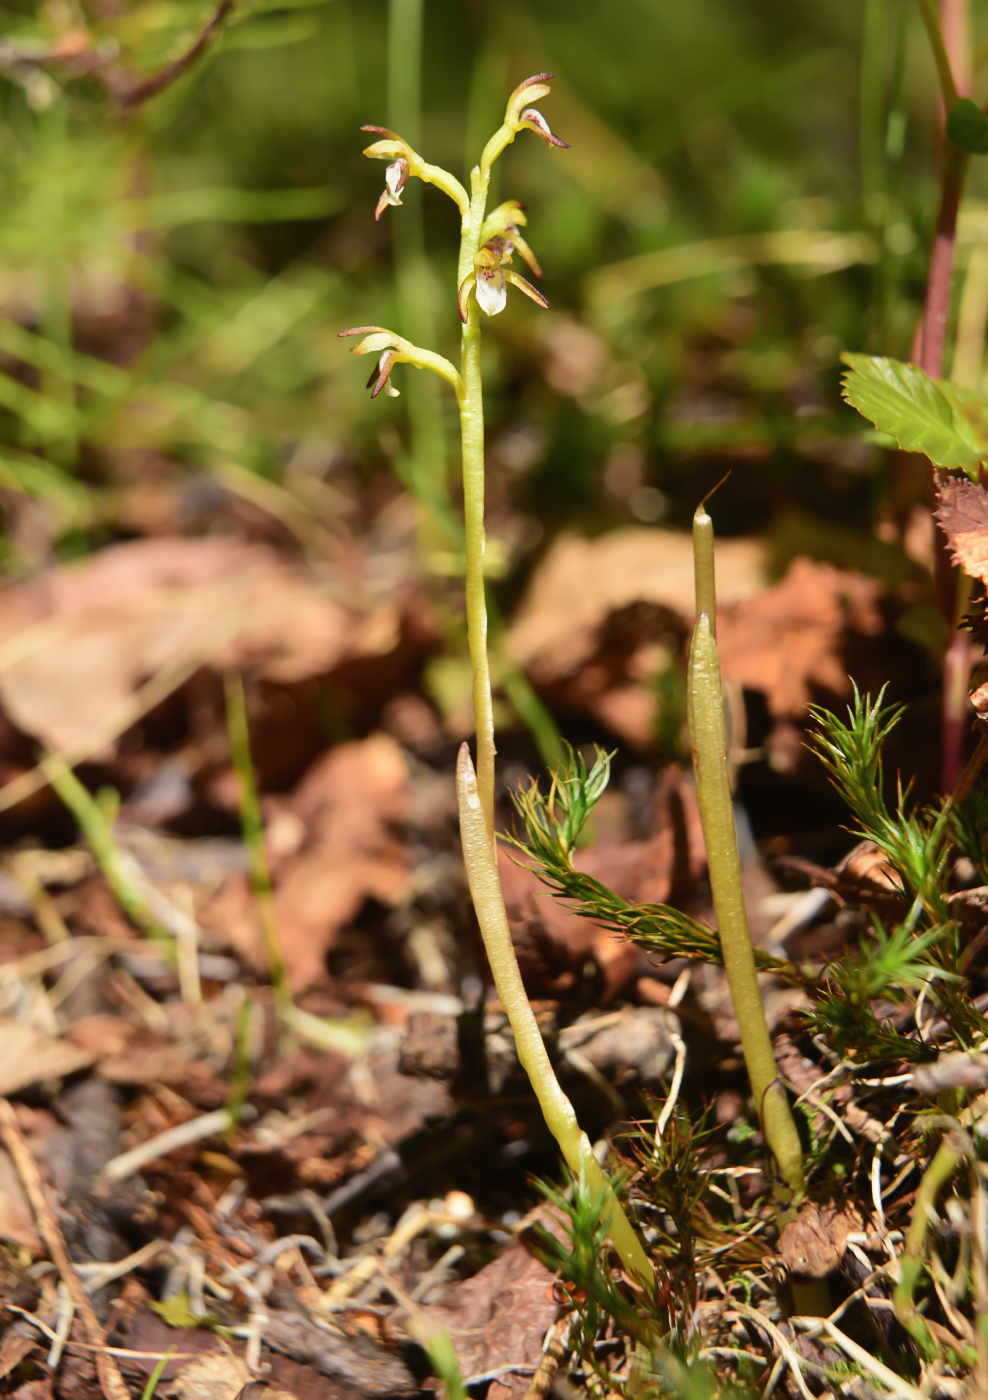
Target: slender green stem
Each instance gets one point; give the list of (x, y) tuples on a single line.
[(947, 1159), (488, 901), (708, 738), (874, 47), (472, 435), (252, 826), (117, 866), (931, 19)]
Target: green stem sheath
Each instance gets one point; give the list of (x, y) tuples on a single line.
[(708, 739), (485, 888)]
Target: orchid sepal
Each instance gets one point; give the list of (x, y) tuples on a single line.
[(531, 292), (529, 90)]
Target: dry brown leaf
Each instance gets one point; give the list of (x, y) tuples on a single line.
[(261, 1390), (602, 617), (76, 644), (127, 1054), (963, 513), (788, 638), (812, 1245), (500, 1318), (347, 805), (30, 1057), (13, 1350), (16, 1217), (581, 582), (979, 700), (40, 1389), (216, 1375)]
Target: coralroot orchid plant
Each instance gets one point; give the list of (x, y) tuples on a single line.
[(484, 273)]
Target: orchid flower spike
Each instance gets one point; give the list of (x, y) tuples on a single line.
[(489, 279), (519, 114)]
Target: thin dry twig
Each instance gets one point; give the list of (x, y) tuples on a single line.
[(206, 1125), (110, 1379), (141, 92)]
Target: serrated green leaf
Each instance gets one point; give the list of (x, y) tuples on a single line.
[(967, 127), (947, 423)]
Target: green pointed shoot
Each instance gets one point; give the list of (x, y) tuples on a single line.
[(708, 739), (485, 888)]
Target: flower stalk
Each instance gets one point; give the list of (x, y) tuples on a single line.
[(484, 273), (708, 739)]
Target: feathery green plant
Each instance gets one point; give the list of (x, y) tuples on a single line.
[(915, 843), (665, 1360), (553, 824)]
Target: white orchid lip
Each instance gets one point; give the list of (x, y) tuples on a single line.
[(489, 280), (395, 178), (491, 289)]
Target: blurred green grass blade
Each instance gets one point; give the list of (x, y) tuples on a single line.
[(36, 477), (240, 206), (228, 341), (45, 417), (273, 32), (42, 353), (947, 423), (818, 251)]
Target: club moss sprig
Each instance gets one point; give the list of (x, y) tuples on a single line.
[(916, 844), (553, 824), (487, 242)]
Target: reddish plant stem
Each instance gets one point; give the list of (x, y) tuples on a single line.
[(955, 26), (936, 309), (936, 305)]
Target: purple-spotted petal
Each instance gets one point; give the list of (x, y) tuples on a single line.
[(492, 293)]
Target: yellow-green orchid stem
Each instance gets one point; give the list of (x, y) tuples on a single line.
[(485, 888), (931, 19), (472, 435), (449, 184), (501, 139), (708, 739), (428, 359)]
